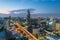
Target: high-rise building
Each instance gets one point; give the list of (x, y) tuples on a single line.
[(6, 24), (58, 26), (28, 24), (28, 17), (54, 23), (39, 23), (9, 20)]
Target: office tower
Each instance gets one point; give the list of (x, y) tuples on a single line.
[(9, 20), (39, 23), (54, 23), (28, 17), (58, 26)]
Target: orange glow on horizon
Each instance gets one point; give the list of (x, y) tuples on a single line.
[(4, 12)]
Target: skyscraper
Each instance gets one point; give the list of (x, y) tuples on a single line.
[(9, 20), (28, 26), (39, 23), (28, 17)]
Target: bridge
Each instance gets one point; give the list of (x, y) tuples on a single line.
[(24, 31)]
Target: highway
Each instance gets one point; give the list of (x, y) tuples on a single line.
[(28, 34), (22, 30)]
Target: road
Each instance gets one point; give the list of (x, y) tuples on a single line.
[(28, 34)]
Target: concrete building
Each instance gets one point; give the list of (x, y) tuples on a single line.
[(58, 26), (35, 32)]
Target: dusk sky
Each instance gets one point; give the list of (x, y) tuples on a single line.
[(42, 6)]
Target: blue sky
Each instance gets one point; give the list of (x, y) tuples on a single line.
[(44, 6)]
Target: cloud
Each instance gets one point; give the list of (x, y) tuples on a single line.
[(35, 12), (40, 12), (32, 11), (4, 12), (21, 11)]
